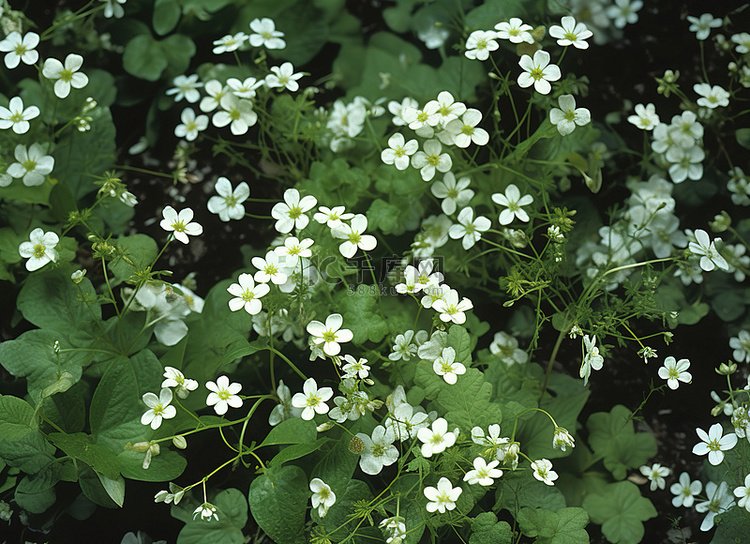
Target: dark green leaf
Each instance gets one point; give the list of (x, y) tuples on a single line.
[(278, 502)]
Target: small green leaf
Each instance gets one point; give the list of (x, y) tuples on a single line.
[(566, 526), (486, 529), (115, 488), (36, 493), (743, 137), (139, 251), (16, 418), (166, 16), (278, 502), (291, 431), (621, 511), (295, 451), (144, 58)]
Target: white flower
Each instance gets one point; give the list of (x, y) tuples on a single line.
[(506, 347), (206, 511), (571, 33), (713, 443), (469, 228), (450, 309), (175, 378), (447, 367), (66, 76), (538, 72), (645, 117), (443, 497), (743, 46), (228, 203), (20, 49), (329, 334), (514, 203), (247, 294), (420, 121), (236, 112), (32, 166), (743, 493), (675, 372), (180, 224), (16, 117), (740, 344), (159, 408), (354, 236), (266, 34), (245, 88), (702, 27), (191, 125), (706, 250), (543, 471), (270, 269), (283, 76), (454, 193), (229, 43), (406, 421), (465, 130), (508, 452), (562, 439), (332, 217), (437, 438), (403, 347), (687, 163), (292, 251), (656, 475), (398, 152), (312, 400), (591, 358), (40, 249), (624, 12), (483, 474), (379, 450), (685, 491), (223, 395), (480, 43), (355, 368), (493, 439), (430, 160), (216, 91), (444, 109), (514, 30), (711, 97), (284, 409), (568, 116), (186, 87), (719, 500), (394, 529), (322, 497), (113, 8), (290, 214), (433, 294), (397, 108)]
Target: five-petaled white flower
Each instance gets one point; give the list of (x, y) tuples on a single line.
[(468, 228), (484, 473), (283, 77), (176, 379), (742, 492), (265, 34), (480, 43), (293, 250), (706, 250), (645, 117), (656, 474), (229, 43), (113, 8), (20, 48), (713, 443), (40, 249), (66, 76), (702, 26), (685, 491), (270, 269), (741, 346), (322, 496), (206, 511), (159, 408), (186, 87), (180, 224), (437, 438), (332, 217), (719, 500), (447, 366), (568, 116), (562, 439), (538, 72), (223, 395), (624, 12), (245, 88), (675, 372), (17, 117), (236, 112), (354, 236), (571, 33), (454, 193), (191, 125), (444, 109), (228, 202), (431, 159), (443, 497), (397, 153), (312, 400), (514, 30), (32, 166), (591, 358), (355, 368), (329, 334), (290, 214), (247, 294), (543, 471), (284, 409), (513, 202), (450, 309), (711, 97), (378, 451), (465, 130)]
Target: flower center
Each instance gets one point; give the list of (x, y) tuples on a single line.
[(16, 117), (158, 409), (355, 238), (29, 165), (224, 394), (434, 160), (329, 336), (39, 251), (20, 49), (422, 117), (178, 226), (537, 73), (66, 75), (313, 401), (248, 295), (294, 212), (570, 36)]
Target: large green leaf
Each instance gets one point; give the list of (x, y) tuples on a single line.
[(16, 418), (30, 454), (621, 512), (486, 529), (167, 466), (566, 526), (231, 508), (80, 446), (278, 502), (291, 431), (36, 493)]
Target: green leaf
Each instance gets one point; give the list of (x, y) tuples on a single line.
[(37, 493), (732, 526), (144, 58), (335, 521), (80, 446), (520, 490), (743, 137), (566, 526), (16, 418), (278, 502), (337, 464), (231, 508), (30, 454), (291, 431), (362, 316), (621, 512), (177, 49), (167, 466), (139, 251), (295, 451), (115, 488), (93, 487), (166, 16), (485, 529), (491, 12), (729, 305)]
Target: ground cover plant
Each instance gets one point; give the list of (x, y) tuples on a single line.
[(403, 272)]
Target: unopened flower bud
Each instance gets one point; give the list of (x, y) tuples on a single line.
[(179, 442), (721, 222), (78, 275), (726, 369), (323, 427)]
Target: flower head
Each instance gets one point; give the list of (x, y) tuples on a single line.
[(20, 48), (206, 511), (283, 77), (329, 334), (711, 97), (675, 372), (322, 496), (159, 408), (228, 203), (571, 33), (719, 500), (437, 438), (65, 76), (17, 117), (265, 34), (451, 310), (514, 30), (543, 471), (591, 358), (742, 492), (186, 87), (40, 249), (645, 117), (714, 444), (291, 213), (453, 193), (513, 202), (562, 439), (176, 379), (447, 366), (443, 497), (484, 473), (568, 116), (431, 160), (468, 228), (223, 395), (685, 491), (538, 72), (398, 152), (379, 450), (702, 26), (312, 400), (191, 125), (706, 250), (180, 224), (480, 43), (464, 131), (656, 474), (246, 294), (32, 164), (229, 43), (354, 236)]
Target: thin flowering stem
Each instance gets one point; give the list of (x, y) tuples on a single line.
[(80, 14), (286, 359), (552, 357)]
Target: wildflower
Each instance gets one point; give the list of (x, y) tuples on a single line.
[(447, 367), (719, 500), (465, 130), (743, 46), (379, 450), (406, 421), (216, 91), (246, 294), (397, 108), (656, 475), (236, 112), (645, 117), (687, 163), (290, 214), (568, 116), (591, 358), (571, 33), (508, 453), (543, 471), (292, 251), (191, 125), (20, 48), (265, 34), (66, 76), (40, 249), (430, 160), (514, 202), (706, 250), (332, 217), (740, 344), (78, 276), (480, 43), (538, 72), (514, 30), (322, 496), (450, 309), (469, 228), (284, 409), (675, 372), (354, 236), (228, 202), (180, 224), (493, 439), (223, 395), (506, 347), (206, 511), (269, 269), (484, 473), (436, 439), (186, 87), (403, 347), (702, 27), (714, 444), (283, 77), (453, 193), (398, 152), (175, 378), (229, 43), (17, 117), (245, 88), (743, 493), (562, 439), (624, 12), (685, 491), (711, 97), (312, 400), (444, 110), (394, 529), (420, 121), (159, 408), (443, 497), (329, 334), (32, 166), (113, 8), (355, 368)]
